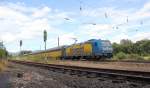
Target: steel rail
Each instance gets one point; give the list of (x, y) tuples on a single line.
[(137, 75), (129, 61)]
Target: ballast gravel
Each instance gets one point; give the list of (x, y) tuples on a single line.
[(23, 76)]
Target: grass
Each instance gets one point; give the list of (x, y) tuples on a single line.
[(147, 58), (135, 57), (30, 58), (3, 64), (120, 57), (36, 59)]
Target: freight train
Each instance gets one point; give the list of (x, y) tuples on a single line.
[(91, 49)]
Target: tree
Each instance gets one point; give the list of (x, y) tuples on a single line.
[(116, 48), (126, 46), (3, 52), (143, 47)]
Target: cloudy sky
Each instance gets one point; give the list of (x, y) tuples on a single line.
[(82, 19)]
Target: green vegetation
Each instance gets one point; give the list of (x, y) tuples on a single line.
[(123, 56), (35, 58), (139, 50), (120, 55), (3, 53)]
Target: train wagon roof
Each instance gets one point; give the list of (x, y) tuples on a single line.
[(50, 49)]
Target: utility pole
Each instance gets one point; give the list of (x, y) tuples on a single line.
[(58, 41)]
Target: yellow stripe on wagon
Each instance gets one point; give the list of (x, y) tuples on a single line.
[(87, 49), (79, 50), (54, 54)]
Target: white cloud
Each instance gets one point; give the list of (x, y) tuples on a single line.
[(21, 22), (67, 38), (140, 36), (64, 39), (99, 30), (134, 38), (41, 12), (117, 18), (146, 7), (8, 37)]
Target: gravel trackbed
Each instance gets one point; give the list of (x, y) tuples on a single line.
[(23, 76)]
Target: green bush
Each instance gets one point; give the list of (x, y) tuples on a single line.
[(123, 56), (120, 56), (2, 53), (135, 57)]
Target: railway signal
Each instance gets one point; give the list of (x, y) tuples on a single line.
[(45, 37), (20, 44)]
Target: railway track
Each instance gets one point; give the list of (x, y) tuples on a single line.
[(91, 72), (129, 61)]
